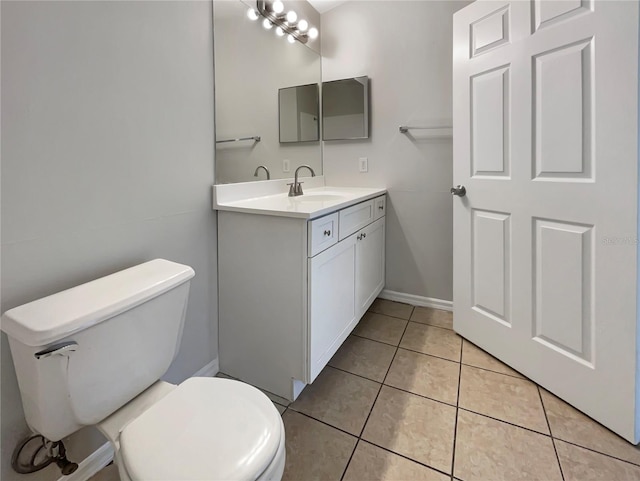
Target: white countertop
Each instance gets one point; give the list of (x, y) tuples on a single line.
[(315, 202)]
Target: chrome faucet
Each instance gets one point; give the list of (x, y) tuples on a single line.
[(255, 174), (295, 188)]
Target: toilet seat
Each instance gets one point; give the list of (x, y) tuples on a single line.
[(206, 428)]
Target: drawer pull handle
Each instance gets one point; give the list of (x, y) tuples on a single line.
[(327, 232), (381, 207), (361, 236)]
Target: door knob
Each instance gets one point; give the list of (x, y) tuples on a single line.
[(459, 190)]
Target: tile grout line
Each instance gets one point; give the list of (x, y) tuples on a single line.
[(467, 410), (376, 399), (326, 424), (358, 375), (472, 412), (346, 467), (446, 403), (395, 317), (458, 408), (463, 409), (455, 426), (521, 376), (553, 441), (375, 340), (359, 436), (596, 452), (412, 350), (432, 325), (405, 457), (457, 401)]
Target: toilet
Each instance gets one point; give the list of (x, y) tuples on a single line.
[(93, 355)]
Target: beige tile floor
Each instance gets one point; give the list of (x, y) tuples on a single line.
[(406, 398)]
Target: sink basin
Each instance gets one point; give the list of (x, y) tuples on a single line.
[(318, 197)]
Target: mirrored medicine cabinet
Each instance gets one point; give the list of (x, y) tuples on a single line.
[(345, 109)]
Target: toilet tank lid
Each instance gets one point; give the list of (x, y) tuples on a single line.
[(55, 317)]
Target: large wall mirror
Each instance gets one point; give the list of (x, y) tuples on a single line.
[(299, 113), (253, 67)]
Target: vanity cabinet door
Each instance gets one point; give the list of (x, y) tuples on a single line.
[(332, 310), (369, 264)]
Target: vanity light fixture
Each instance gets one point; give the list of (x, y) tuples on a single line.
[(277, 7), (289, 24), (292, 17), (253, 14)]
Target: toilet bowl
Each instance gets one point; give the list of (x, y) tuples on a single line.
[(203, 429), (94, 354)]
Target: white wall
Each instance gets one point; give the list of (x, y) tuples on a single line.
[(107, 161), (406, 49)]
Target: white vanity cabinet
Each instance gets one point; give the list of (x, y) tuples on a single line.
[(291, 290), (344, 280)]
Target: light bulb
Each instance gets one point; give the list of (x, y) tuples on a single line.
[(292, 16), (277, 6), (291, 38), (252, 14), (303, 25), (313, 33), (279, 31), (267, 24)]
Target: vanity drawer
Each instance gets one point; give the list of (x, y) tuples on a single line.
[(354, 218), (322, 233), (380, 207)]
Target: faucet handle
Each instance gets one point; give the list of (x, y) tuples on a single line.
[(298, 188), (292, 190)]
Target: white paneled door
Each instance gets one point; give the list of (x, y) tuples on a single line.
[(545, 239)]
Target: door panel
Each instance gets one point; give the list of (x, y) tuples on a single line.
[(490, 265), (547, 12), (369, 264), (490, 122), (491, 31), (545, 250), (332, 309), (563, 295), (563, 112)]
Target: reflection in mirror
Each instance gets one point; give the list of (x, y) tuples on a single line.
[(345, 109), (252, 64), (299, 114)]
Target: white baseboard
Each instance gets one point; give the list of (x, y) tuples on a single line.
[(92, 464), (104, 454), (416, 300), (209, 370)]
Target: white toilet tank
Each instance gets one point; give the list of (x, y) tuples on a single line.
[(83, 353)]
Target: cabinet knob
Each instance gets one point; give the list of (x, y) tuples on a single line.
[(327, 232), (381, 207)]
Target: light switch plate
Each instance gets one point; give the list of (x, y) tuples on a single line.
[(286, 165), (363, 163)]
